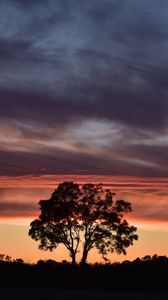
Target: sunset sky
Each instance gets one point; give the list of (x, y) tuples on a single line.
[(83, 97)]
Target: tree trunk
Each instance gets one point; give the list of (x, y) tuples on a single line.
[(73, 257), (84, 257)]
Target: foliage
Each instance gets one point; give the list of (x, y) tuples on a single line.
[(87, 215), (4, 257)]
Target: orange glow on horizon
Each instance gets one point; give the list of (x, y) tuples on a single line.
[(139, 223), (131, 189), (147, 195)]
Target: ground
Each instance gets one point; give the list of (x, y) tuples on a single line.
[(55, 294)]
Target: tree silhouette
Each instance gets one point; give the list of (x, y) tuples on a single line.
[(84, 215)]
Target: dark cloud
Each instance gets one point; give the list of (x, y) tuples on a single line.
[(149, 153), (106, 104), (11, 49), (132, 162), (28, 4), (68, 63)]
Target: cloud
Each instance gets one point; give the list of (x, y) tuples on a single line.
[(148, 197), (17, 210), (21, 201), (85, 81)]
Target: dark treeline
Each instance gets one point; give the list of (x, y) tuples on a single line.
[(146, 274)]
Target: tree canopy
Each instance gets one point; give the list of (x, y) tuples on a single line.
[(83, 215)]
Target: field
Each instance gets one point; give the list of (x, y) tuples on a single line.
[(56, 294), (137, 280)]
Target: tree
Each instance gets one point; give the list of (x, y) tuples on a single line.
[(84, 215)]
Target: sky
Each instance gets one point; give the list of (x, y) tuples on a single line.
[(83, 97)]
